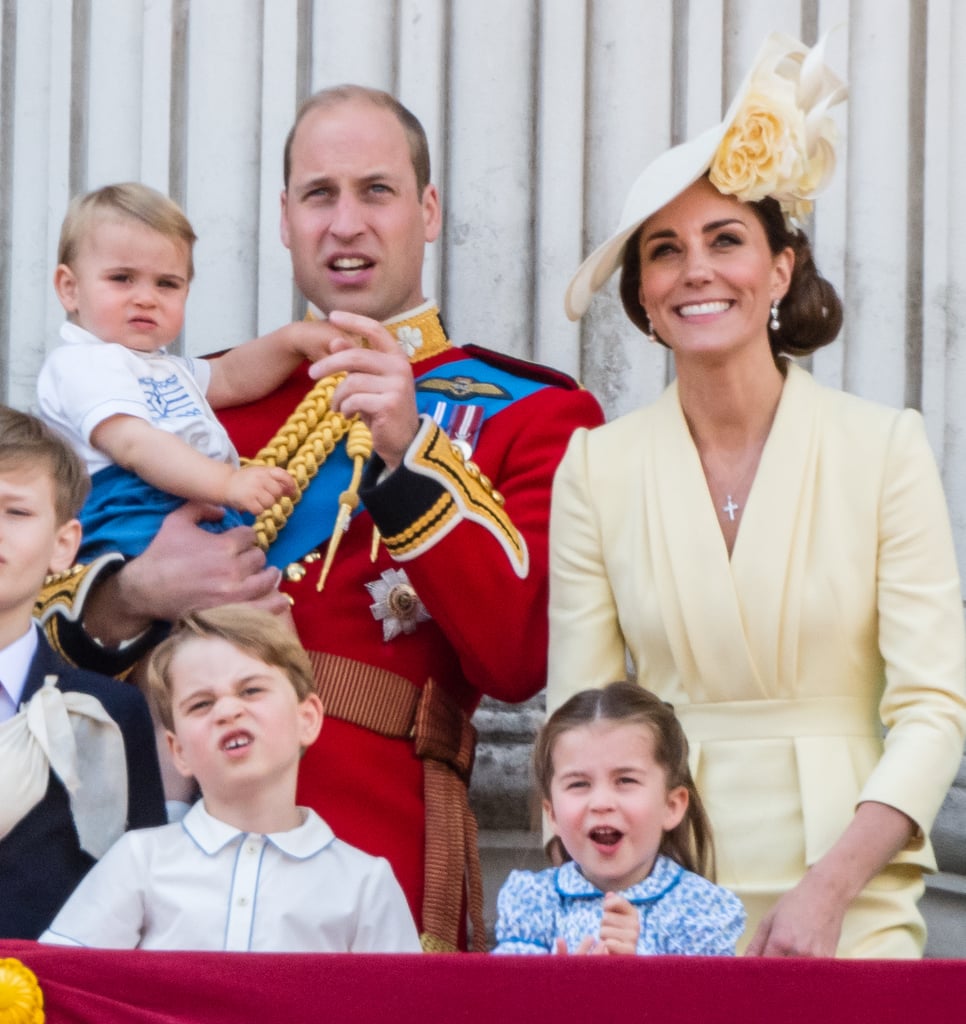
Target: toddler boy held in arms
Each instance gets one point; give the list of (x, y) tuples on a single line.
[(140, 416), (246, 868), (77, 752)]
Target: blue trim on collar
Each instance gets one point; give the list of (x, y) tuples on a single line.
[(211, 835), (570, 883)]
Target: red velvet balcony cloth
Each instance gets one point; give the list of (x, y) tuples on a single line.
[(133, 987)]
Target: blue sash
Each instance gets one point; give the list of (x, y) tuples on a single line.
[(462, 382)]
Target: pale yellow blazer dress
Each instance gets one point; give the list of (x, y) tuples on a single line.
[(838, 615)]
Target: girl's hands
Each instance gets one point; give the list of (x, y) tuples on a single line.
[(619, 931), (621, 926)]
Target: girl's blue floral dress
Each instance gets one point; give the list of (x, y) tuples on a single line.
[(681, 912)]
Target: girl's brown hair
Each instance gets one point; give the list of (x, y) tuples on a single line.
[(690, 843)]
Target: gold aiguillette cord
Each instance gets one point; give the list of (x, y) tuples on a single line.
[(358, 448)]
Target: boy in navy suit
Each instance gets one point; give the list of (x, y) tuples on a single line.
[(78, 761)]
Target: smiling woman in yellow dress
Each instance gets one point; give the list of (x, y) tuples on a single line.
[(774, 556)]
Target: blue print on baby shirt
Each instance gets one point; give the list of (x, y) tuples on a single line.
[(168, 399)]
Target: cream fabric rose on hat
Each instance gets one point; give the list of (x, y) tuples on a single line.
[(779, 144), (776, 139), (762, 150)]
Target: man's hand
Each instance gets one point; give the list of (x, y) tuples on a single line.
[(378, 386), (184, 568)]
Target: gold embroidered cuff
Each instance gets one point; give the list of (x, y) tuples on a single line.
[(60, 608), (64, 593), (461, 492)]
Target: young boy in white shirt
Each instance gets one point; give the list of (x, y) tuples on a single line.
[(246, 868)]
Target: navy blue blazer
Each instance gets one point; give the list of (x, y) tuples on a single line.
[(41, 860)]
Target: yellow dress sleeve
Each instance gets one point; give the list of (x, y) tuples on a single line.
[(921, 633), (586, 643)]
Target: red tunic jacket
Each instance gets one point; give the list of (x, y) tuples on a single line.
[(488, 631)]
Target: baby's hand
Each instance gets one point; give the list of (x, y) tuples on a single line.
[(311, 339), (256, 488), (621, 926)]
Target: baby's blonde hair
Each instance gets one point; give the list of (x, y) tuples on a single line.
[(127, 200)]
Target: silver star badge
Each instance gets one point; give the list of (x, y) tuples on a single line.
[(396, 604)]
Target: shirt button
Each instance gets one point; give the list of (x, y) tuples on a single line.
[(252, 848), (243, 901)]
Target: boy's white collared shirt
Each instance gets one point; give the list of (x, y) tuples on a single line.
[(202, 884), (15, 662)]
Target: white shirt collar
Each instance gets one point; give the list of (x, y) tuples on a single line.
[(74, 334), (410, 313), (15, 664), (211, 834)]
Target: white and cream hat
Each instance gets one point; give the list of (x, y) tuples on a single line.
[(776, 139)]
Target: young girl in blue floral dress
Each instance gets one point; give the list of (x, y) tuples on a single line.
[(612, 769)]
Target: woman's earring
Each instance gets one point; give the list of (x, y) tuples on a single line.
[(774, 323), (649, 331)]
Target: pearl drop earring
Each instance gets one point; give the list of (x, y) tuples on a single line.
[(774, 323)]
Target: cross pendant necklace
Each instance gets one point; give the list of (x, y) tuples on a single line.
[(730, 508)]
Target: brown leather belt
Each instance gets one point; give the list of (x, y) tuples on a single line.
[(444, 738)]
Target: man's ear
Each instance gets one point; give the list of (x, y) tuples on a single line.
[(65, 284), (432, 213), (283, 218)]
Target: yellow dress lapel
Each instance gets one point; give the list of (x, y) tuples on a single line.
[(769, 559), (693, 577), (732, 623)]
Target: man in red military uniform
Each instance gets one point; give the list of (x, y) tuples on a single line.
[(434, 558)]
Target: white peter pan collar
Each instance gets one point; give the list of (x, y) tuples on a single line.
[(211, 834), (664, 876)]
